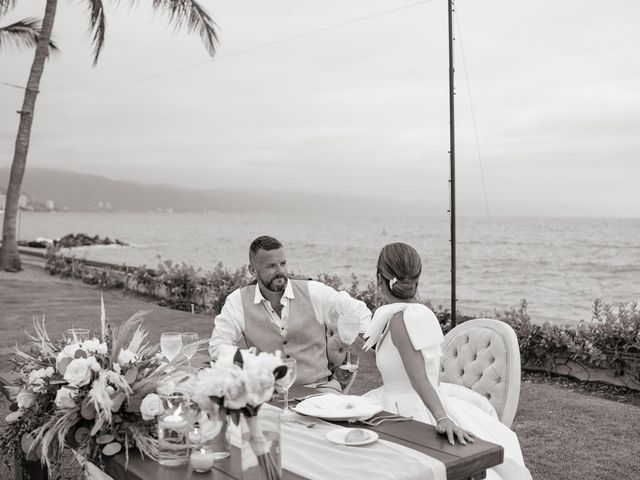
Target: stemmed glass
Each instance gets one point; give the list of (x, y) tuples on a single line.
[(348, 329), (189, 345), (171, 344), (286, 383)]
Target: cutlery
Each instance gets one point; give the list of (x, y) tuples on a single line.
[(374, 422)]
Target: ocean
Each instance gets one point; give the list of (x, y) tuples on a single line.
[(560, 265)]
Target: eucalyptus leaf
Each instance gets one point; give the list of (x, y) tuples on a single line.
[(111, 449), (81, 434), (131, 374), (105, 438)]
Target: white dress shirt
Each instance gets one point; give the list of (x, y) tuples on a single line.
[(229, 324)]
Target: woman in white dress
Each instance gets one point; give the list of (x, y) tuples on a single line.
[(408, 339)]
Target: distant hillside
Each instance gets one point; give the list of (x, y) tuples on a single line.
[(83, 192)]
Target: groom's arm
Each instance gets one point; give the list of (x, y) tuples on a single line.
[(228, 327)]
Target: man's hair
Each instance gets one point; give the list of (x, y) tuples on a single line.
[(263, 243)]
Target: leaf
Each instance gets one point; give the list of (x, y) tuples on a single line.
[(218, 400), (63, 364), (81, 435), (133, 404), (131, 374), (26, 443), (13, 416), (80, 354), (235, 416), (88, 410), (237, 358), (111, 449), (116, 401), (105, 438), (279, 372)]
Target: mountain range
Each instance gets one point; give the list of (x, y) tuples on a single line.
[(85, 192)]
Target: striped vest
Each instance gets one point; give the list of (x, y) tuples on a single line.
[(305, 339)]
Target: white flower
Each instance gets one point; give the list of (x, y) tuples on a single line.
[(67, 354), (93, 364), (126, 358), (36, 378), (151, 406), (78, 372), (25, 398), (116, 368), (65, 398), (95, 346)]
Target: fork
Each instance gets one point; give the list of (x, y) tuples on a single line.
[(381, 419)]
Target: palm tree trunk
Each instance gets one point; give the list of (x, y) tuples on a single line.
[(9, 255)]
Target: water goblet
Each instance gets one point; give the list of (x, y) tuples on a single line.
[(171, 344), (348, 329), (78, 334), (286, 382), (189, 345)]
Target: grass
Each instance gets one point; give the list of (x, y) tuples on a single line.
[(565, 433)]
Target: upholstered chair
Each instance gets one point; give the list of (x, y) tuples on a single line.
[(483, 355)]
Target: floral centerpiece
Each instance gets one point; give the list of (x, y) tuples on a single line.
[(85, 394), (238, 386)]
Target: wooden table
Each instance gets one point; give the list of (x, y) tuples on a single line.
[(461, 462)]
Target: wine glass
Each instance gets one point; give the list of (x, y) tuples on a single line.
[(286, 383), (189, 345), (78, 335), (348, 329), (171, 344)]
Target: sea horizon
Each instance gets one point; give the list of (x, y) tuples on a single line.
[(560, 265)]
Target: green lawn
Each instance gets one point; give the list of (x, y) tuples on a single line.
[(564, 434)]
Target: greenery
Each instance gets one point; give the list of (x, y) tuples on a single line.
[(611, 340)]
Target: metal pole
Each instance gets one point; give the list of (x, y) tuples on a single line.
[(452, 168)]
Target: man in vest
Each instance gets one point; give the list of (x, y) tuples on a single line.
[(279, 313)]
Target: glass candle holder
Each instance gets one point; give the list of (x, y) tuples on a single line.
[(201, 457), (173, 428)]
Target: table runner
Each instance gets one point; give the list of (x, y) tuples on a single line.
[(308, 453)]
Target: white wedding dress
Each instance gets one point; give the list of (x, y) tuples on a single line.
[(468, 409)]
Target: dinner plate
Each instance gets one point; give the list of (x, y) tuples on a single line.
[(338, 436), (332, 406)]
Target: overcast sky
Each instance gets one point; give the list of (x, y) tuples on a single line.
[(362, 108)]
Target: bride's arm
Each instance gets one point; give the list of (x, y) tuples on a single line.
[(414, 365)]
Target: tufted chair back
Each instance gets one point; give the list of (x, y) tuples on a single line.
[(483, 355)]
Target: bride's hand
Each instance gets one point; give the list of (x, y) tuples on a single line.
[(446, 426)]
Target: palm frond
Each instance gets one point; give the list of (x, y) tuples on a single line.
[(122, 335), (189, 14), (6, 5), (97, 28), (23, 34)]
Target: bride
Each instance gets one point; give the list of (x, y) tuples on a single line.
[(407, 339)]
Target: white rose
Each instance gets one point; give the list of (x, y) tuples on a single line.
[(25, 398), (78, 372), (65, 398), (126, 358), (93, 364), (95, 346), (50, 371), (151, 406)]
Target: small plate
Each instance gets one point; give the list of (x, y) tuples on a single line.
[(338, 436)]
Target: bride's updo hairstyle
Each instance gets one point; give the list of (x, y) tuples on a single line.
[(400, 265)]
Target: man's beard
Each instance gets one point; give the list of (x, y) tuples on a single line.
[(279, 287)]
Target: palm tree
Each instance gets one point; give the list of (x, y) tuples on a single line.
[(181, 13)]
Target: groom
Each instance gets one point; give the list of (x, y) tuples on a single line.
[(294, 316)]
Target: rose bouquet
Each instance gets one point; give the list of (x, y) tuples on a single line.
[(238, 386), (85, 394)]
